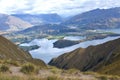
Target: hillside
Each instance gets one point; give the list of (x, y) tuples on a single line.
[(9, 51), (37, 19), (103, 58), (11, 23), (38, 31), (96, 19)]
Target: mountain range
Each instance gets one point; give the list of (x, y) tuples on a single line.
[(37, 19), (96, 19)]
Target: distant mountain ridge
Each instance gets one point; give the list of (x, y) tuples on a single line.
[(96, 19), (37, 19), (11, 23), (103, 58)]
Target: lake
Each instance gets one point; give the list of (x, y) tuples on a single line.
[(46, 51), (74, 38), (111, 30)]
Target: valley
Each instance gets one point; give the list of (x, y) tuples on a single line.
[(48, 46), (37, 70)]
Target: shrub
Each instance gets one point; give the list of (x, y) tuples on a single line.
[(28, 68), (114, 77), (103, 77), (72, 71), (15, 63), (90, 73), (53, 78), (55, 70), (4, 68)]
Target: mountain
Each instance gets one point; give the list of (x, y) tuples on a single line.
[(103, 58), (38, 31), (11, 23), (37, 19), (96, 19), (9, 51), (45, 28)]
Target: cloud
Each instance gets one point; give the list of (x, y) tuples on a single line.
[(46, 51), (63, 7)]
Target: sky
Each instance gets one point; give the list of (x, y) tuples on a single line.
[(62, 7)]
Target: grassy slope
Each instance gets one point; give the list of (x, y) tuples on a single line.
[(103, 58), (9, 51), (113, 65)]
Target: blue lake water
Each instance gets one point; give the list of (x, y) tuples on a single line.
[(46, 51), (112, 30), (74, 38)]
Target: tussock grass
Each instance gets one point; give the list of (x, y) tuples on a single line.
[(54, 70), (53, 78), (4, 68), (29, 68), (10, 62), (72, 71), (102, 76), (90, 73), (51, 73), (9, 77)]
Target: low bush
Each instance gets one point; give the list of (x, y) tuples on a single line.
[(53, 78), (14, 63), (4, 68), (28, 68)]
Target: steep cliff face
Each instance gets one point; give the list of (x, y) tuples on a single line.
[(102, 58), (9, 51)]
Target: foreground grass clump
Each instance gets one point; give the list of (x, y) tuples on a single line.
[(55, 70), (102, 76), (72, 71), (9, 77), (28, 68), (90, 73), (4, 68), (10, 62), (53, 78)]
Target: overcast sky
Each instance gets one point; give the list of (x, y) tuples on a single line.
[(62, 7)]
